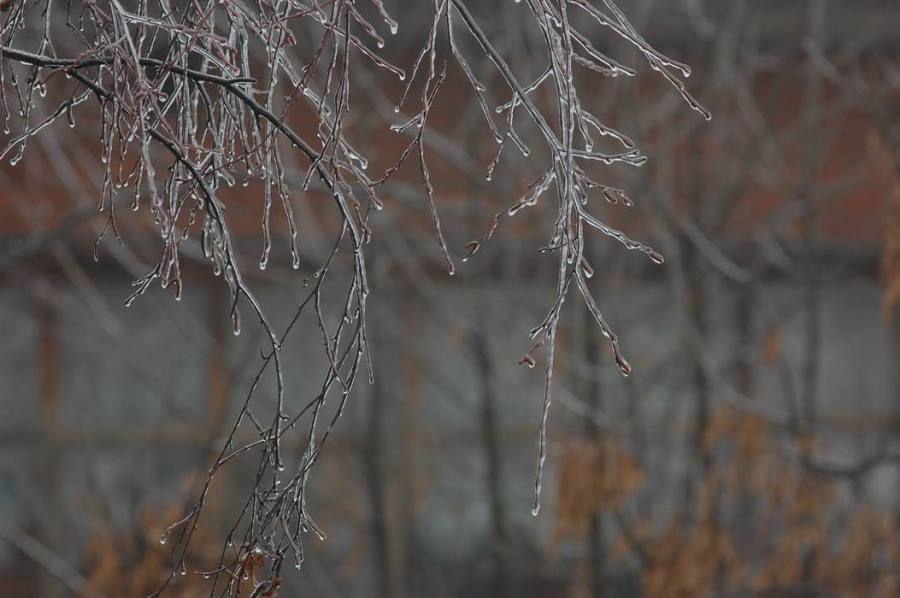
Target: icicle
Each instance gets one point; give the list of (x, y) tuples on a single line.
[(236, 322), (471, 249)]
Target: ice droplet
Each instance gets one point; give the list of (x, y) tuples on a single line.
[(471, 249), (624, 366), (587, 269)]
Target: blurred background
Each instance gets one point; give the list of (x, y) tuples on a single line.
[(754, 450)]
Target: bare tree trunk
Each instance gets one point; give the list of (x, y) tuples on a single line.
[(48, 364), (409, 558), (696, 313), (743, 364), (373, 458), (219, 371), (811, 284), (812, 340), (490, 435), (895, 425), (596, 546)]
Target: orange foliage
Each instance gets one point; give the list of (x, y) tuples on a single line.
[(758, 523), (890, 252), (890, 249), (134, 563), (594, 476)]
